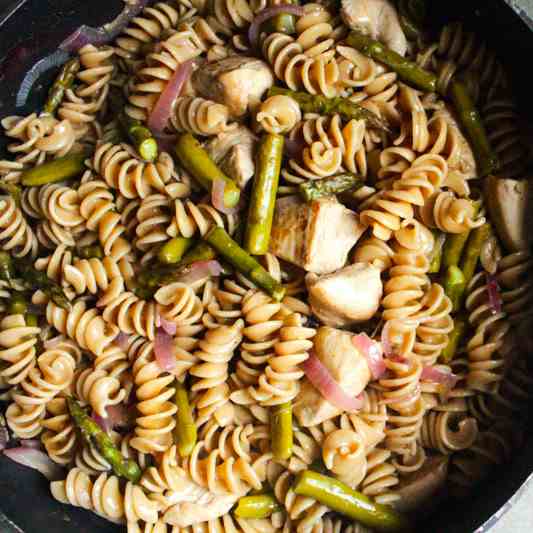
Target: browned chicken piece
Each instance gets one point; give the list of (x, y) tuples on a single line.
[(347, 366), (191, 504), (464, 162), (510, 207), (233, 151), (316, 236), (423, 486), (376, 18), (236, 81), (346, 297)]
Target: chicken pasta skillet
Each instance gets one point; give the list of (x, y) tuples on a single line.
[(264, 267)]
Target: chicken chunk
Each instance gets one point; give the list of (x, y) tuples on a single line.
[(347, 366), (189, 503), (233, 151), (346, 297), (424, 485), (236, 81), (376, 18), (465, 162), (317, 236)]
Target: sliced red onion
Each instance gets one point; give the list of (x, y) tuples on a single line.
[(439, 375), (104, 423), (371, 351), (268, 13), (168, 326), (322, 380), (163, 350), (121, 340), (166, 141), (200, 270), (217, 198), (120, 416), (36, 459), (160, 115), (106, 33), (31, 443), (395, 358), (293, 148), (402, 399), (493, 290), (4, 437), (44, 65)]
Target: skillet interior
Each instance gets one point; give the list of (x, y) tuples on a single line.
[(41, 25)]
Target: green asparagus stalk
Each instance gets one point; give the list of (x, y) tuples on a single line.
[(31, 321), (472, 251), (92, 250), (437, 252), (315, 189), (203, 169), (407, 70), (64, 81), (454, 286), (243, 262), (454, 340), (281, 431), (35, 279), (282, 23), (263, 198), (470, 119), (185, 431), (256, 506), (173, 250), (94, 434), (341, 498), (348, 110), (140, 136), (63, 168), (151, 278), (7, 269), (17, 305)]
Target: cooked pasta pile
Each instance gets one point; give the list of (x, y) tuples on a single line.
[(454, 383)]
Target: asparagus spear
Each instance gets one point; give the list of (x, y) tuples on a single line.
[(140, 136), (454, 340), (263, 198), (472, 251), (202, 168), (470, 119), (151, 278), (454, 286), (281, 431), (348, 110), (17, 305), (7, 269), (437, 252), (173, 250), (243, 262), (341, 498), (60, 169), (315, 189), (31, 321), (408, 71), (185, 431), (256, 506), (282, 23), (93, 250), (64, 81), (35, 279), (95, 435)]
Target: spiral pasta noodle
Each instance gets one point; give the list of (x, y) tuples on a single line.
[(15, 233), (512, 275), (59, 433), (279, 114)]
